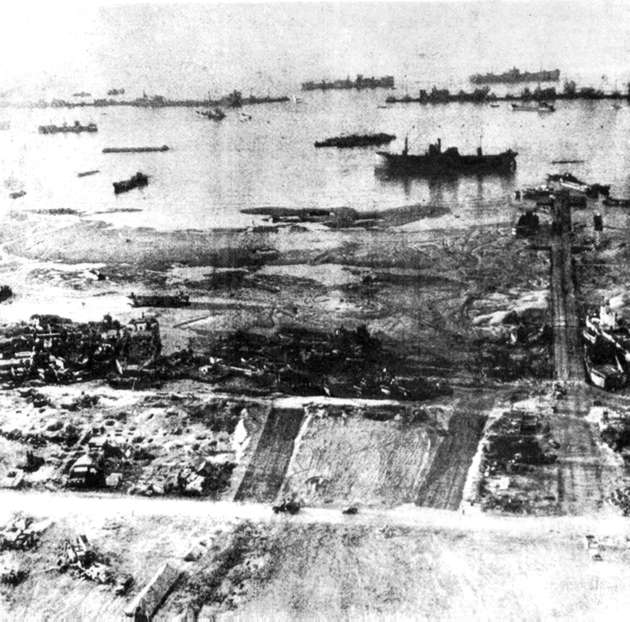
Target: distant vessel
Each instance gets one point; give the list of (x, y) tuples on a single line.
[(534, 107), (82, 94), (214, 115), (516, 75), (137, 181), (360, 82), (114, 92), (436, 162), (75, 128), (134, 149), (177, 300), (86, 173), (356, 140)]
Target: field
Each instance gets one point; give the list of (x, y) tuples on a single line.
[(350, 458), (449, 567)]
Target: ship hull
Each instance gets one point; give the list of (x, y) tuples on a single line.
[(445, 164)]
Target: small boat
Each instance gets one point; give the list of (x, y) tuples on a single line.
[(607, 376), (137, 181), (610, 328), (214, 115), (5, 292), (570, 182), (177, 300), (18, 194), (75, 128), (356, 140), (536, 193), (534, 107), (86, 173), (612, 202), (495, 105), (134, 149)]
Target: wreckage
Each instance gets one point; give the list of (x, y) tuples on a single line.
[(58, 350)]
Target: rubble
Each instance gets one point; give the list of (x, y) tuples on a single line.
[(57, 350), (5, 293), (22, 533), (345, 363), (515, 443), (82, 560), (12, 571)]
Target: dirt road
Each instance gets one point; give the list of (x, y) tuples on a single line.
[(567, 355), (444, 483), (584, 472), (104, 507), (268, 465)]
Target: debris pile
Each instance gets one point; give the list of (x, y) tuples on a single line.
[(515, 444), (12, 571), (621, 498), (200, 477), (57, 350), (22, 533), (345, 363), (82, 560), (223, 579), (19, 534), (614, 430)]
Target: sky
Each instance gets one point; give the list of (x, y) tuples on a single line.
[(54, 49)]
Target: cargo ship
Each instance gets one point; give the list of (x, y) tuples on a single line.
[(534, 107), (135, 149), (514, 75), (360, 82), (356, 140), (438, 162), (177, 300)]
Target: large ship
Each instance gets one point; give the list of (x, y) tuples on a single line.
[(533, 107), (356, 140), (515, 75), (76, 128), (436, 162), (360, 82)]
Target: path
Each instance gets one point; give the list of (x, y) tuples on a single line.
[(581, 462)]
